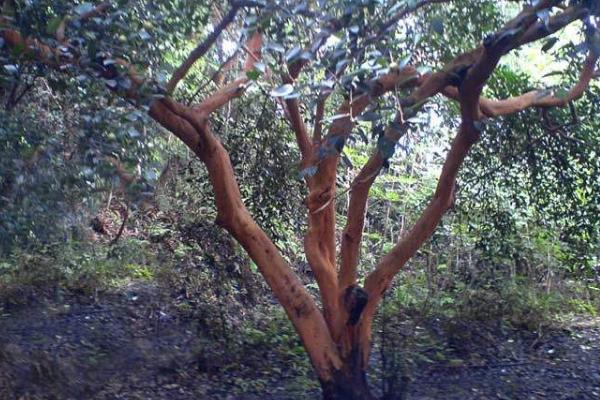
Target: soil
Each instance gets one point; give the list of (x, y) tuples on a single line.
[(518, 364), (129, 345)]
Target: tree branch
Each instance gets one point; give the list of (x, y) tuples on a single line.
[(357, 207), (470, 78), (234, 217), (536, 98), (541, 29), (469, 91), (194, 130), (318, 123), (379, 280), (237, 87), (202, 48), (299, 128), (319, 241)]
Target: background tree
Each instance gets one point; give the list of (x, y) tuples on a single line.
[(311, 59)]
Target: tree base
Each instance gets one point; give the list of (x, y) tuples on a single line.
[(347, 386)]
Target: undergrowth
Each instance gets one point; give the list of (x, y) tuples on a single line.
[(247, 338)]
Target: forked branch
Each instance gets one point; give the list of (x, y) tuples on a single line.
[(193, 128), (202, 48), (489, 108), (237, 87)]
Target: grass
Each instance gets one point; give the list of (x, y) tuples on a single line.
[(519, 300), (75, 267)]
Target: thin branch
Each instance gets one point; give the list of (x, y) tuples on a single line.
[(236, 88), (489, 108), (299, 127), (318, 123), (217, 77), (202, 48), (122, 227)]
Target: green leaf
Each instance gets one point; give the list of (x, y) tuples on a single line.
[(275, 47), (543, 93), (261, 67), (253, 74), (346, 160), (336, 117), (83, 8), (386, 147), (111, 83), (144, 35), (549, 44), (561, 93), (18, 49), (283, 90), (394, 9), (369, 116), (404, 62), (8, 10), (11, 69), (338, 142), (53, 25), (438, 26), (544, 16), (133, 133), (293, 54), (339, 67)]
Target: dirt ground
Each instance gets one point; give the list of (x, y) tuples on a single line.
[(558, 364), (130, 346)]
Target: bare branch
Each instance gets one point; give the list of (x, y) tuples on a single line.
[(489, 108), (202, 48), (237, 87), (319, 241), (299, 127), (318, 123)]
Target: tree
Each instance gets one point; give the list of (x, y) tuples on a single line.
[(337, 334)]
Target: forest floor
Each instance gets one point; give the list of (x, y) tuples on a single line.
[(131, 345)]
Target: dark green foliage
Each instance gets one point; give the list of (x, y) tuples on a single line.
[(526, 172)]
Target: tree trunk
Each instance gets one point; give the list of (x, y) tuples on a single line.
[(347, 385), (349, 382)]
